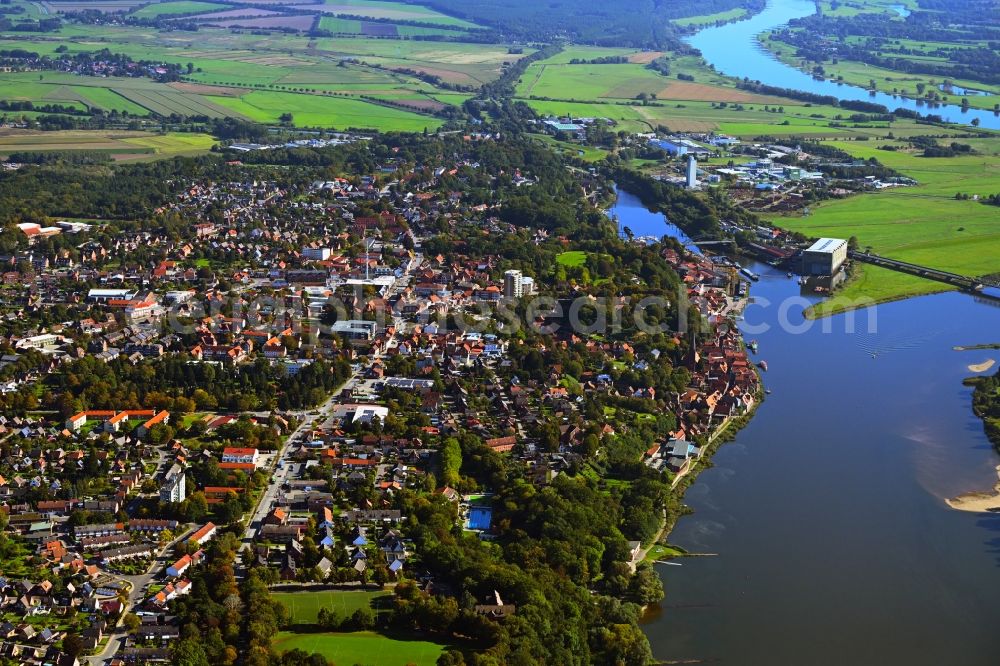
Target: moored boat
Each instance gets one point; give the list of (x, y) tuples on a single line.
[(763, 365)]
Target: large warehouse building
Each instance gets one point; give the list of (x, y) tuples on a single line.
[(824, 257)]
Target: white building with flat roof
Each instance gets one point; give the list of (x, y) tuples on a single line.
[(105, 295), (355, 329), (824, 257)]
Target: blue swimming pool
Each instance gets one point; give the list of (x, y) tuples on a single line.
[(480, 518)]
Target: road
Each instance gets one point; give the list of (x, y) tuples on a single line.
[(322, 415), (164, 558)]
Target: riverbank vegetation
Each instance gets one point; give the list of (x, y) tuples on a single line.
[(986, 404), (936, 52)]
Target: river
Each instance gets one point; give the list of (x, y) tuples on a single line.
[(833, 543), (734, 50)]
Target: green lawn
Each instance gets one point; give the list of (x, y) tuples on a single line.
[(572, 258), (362, 647), (303, 607)]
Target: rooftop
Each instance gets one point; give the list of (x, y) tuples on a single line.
[(827, 245)]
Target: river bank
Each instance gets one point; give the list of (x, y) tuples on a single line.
[(733, 49), (978, 502), (832, 499)]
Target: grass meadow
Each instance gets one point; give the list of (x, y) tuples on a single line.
[(362, 647)]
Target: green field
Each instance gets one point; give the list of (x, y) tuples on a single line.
[(180, 7), (572, 258), (349, 26), (362, 647), (385, 9), (260, 71), (923, 224), (331, 112), (122, 145), (587, 82), (303, 607), (889, 81), (709, 19)]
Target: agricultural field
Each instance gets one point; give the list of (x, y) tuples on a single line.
[(261, 76), (855, 7), (328, 112), (362, 647), (328, 82), (384, 9), (304, 607), (180, 7), (357, 27), (120, 145), (710, 19), (925, 224), (559, 78), (889, 81)]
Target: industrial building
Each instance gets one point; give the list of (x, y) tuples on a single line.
[(824, 257)]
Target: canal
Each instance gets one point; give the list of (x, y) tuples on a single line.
[(833, 543)]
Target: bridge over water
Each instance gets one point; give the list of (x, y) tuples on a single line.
[(984, 287)]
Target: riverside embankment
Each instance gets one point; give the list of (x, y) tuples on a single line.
[(828, 511)]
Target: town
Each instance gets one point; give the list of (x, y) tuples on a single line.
[(281, 367)]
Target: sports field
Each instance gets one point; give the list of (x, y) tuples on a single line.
[(362, 647), (303, 607)]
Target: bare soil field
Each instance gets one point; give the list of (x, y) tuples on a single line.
[(699, 92), (108, 6), (644, 57), (448, 75), (425, 105), (246, 12), (296, 22), (379, 30)]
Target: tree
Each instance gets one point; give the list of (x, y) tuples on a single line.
[(131, 622), (72, 645), (645, 587), (189, 652)]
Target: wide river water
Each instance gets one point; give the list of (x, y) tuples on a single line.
[(734, 50), (826, 514)]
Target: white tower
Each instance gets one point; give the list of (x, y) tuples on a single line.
[(692, 172)]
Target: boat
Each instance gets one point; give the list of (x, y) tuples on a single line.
[(790, 274), (767, 391), (753, 346), (763, 365)]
